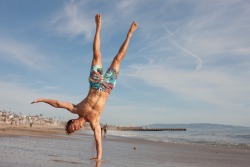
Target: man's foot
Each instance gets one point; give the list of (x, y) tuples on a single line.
[(98, 21), (133, 27), (37, 101)]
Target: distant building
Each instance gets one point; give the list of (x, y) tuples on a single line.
[(12, 118)]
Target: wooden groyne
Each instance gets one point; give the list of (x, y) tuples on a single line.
[(149, 129)]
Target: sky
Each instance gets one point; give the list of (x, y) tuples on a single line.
[(188, 61)]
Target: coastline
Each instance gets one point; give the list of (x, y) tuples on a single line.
[(58, 149)]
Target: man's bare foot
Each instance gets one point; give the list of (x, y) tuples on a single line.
[(98, 21), (37, 101), (133, 27)]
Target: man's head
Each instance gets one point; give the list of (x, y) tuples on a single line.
[(73, 125)]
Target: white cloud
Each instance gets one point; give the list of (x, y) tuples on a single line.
[(214, 88), (173, 40), (217, 32), (188, 52), (17, 98), (215, 36), (73, 20), (209, 29), (128, 6), (22, 54)]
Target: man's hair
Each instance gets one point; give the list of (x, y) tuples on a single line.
[(68, 131)]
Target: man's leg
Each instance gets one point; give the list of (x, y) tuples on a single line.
[(109, 79), (123, 49), (97, 60), (56, 104)]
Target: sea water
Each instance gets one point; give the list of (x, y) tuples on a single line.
[(196, 133)]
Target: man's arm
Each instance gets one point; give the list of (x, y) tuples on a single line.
[(56, 104), (98, 139)]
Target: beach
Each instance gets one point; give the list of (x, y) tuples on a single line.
[(21, 145)]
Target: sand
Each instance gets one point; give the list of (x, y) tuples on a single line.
[(49, 146), (26, 130)]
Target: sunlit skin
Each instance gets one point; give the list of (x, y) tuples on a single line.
[(90, 108)]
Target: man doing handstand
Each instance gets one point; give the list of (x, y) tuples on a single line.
[(90, 108)]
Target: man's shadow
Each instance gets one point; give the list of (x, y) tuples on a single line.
[(96, 163)]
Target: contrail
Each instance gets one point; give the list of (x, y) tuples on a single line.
[(169, 32), (198, 59)]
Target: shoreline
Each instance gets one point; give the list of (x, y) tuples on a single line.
[(117, 150), (46, 131)]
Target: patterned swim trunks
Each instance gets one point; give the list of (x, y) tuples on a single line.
[(105, 83)]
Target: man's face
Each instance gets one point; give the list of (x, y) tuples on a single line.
[(76, 125)]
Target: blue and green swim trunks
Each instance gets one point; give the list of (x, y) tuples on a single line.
[(102, 82)]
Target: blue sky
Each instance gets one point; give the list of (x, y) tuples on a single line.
[(188, 62)]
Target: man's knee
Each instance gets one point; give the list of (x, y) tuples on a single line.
[(118, 58), (97, 60), (116, 62), (97, 54)]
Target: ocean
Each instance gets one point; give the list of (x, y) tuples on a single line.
[(212, 134)]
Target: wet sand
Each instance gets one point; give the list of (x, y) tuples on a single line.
[(49, 146)]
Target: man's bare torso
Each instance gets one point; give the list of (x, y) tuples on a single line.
[(93, 105)]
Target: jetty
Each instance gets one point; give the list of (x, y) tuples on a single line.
[(149, 129)]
